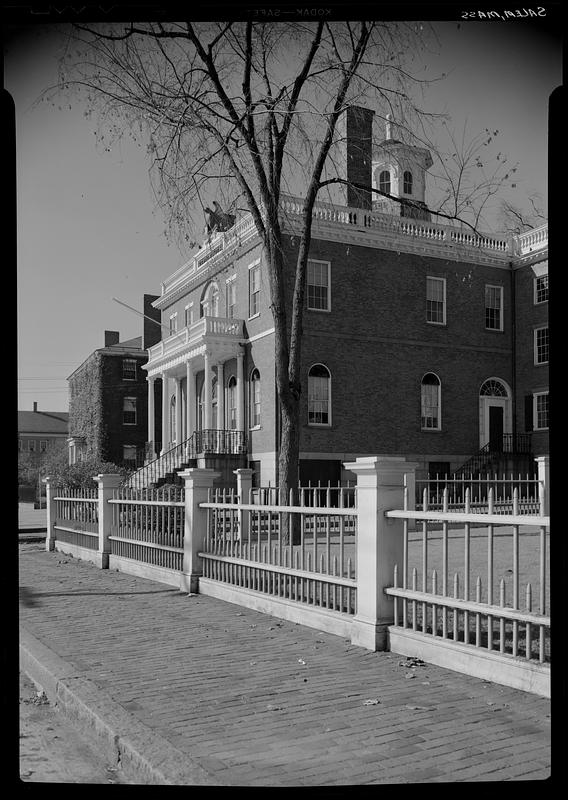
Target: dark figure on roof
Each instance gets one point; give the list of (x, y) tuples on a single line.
[(218, 220)]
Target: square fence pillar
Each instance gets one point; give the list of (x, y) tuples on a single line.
[(543, 464), (107, 483), (380, 487), (197, 485), (244, 485), (50, 492)]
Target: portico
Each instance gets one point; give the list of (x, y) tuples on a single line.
[(202, 372)]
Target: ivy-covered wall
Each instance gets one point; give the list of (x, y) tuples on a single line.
[(85, 404)]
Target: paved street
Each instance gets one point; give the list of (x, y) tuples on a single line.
[(198, 691)]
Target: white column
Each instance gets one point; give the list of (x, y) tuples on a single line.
[(543, 463), (178, 410), (240, 392), (207, 393), (380, 487), (190, 398), (151, 417), (165, 414), (220, 398)]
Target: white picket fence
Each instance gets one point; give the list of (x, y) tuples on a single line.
[(466, 589)]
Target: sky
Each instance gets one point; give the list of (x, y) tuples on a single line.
[(87, 227)]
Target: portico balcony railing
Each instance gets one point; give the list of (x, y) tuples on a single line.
[(205, 329)]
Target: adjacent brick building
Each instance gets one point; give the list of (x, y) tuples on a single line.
[(108, 399), (419, 339)]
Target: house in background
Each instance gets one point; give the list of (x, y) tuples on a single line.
[(108, 398), (420, 339), (40, 433)]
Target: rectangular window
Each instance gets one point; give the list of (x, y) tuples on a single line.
[(541, 411), (173, 324), (129, 411), (494, 308), (541, 289), (31, 445), (129, 369), (541, 345), (254, 289), (43, 445), (436, 300), (188, 315), (319, 280), (231, 298), (129, 454), (20, 445)]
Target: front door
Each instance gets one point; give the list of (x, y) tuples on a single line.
[(496, 428)]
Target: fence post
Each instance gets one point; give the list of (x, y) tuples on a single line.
[(50, 492), (198, 481), (544, 478), (244, 485), (106, 483), (380, 488)]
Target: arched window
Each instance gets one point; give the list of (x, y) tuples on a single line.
[(407, 182), (319, 395), (493, 388), (232, 403), (254, 399), (431, 402), (210, 301), (385, 181)]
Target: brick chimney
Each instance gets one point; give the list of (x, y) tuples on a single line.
[(111, 337), (152, 333), (357, 132)]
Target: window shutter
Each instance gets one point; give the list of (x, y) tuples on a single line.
[(528, 413)]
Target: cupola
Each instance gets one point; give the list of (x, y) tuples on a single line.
[(399, 169)]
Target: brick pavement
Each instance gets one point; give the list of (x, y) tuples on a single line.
[(251, 700)]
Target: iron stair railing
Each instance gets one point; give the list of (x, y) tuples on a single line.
[(508, 444), (209, 441)]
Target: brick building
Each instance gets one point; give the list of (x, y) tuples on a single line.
[(419, 339), (108, 399)]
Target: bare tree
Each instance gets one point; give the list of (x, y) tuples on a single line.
[(246, 111)]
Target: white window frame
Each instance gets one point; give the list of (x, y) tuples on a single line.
[(443, 282), (538, 278), (188, 315), (538, 363), (255, 266), (130, 361), (232, 397), (501, 307), (43, 445), (31, 445), (536, 395), (254, 424), (325, 263), (407, 182), (230, 287), (173, 324), (124, 411), (311, 423), (438, 427), (131, 447)]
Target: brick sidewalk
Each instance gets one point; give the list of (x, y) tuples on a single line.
[(256, 701)]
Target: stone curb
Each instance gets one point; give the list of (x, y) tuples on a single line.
[(142, 754)]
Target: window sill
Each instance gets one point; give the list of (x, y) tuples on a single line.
[(495, 330), (540, 364), (319, 425), (437, 324), (320, 310), (256, 428), (431, 430), (254, 316)]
